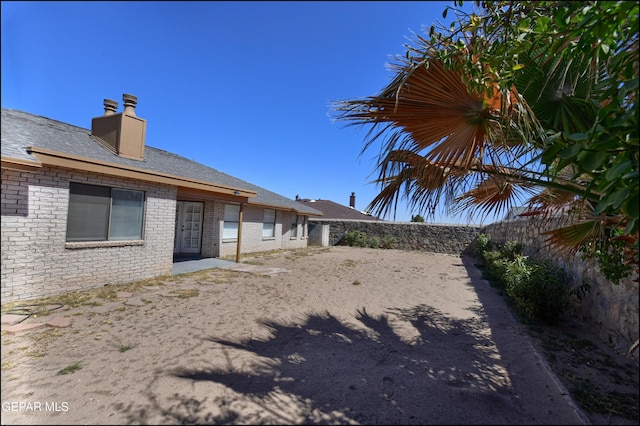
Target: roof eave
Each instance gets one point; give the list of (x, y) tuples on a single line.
[(60, 159), (20, 164)]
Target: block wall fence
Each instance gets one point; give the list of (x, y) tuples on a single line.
[(610, 309)]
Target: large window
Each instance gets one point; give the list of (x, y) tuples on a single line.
[(230, 227), (294, 225), (101, 213), (269, 223)]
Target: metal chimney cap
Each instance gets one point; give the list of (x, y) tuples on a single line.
[(130, 102), (110, 106), (130, 98)]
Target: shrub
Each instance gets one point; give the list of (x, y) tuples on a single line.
[(482, 244), (356, 238), (538, 290), (389, 242), (373, 242), (495, 268), (535, 289), (511, 249)]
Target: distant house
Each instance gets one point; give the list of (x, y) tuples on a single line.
[(515, 212), (85, 208), (332, 210)]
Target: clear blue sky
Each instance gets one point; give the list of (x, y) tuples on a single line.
[(243, 87)]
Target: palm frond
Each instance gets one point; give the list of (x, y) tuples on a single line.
[(567, 240)]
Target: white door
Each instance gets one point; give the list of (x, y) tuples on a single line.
[(188, 233)]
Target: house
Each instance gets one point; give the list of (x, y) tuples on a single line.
[(332, 210), (85, 208)]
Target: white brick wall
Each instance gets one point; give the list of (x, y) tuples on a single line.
[(36, 260), (252, 240)]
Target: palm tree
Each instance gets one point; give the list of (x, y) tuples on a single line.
[(444, 142)]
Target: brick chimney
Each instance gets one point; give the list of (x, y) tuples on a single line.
[(352, 200), (123, 133)]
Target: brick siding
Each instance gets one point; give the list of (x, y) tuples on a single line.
[(36, 259)]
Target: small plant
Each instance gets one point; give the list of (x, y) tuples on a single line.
[(125, 348), (482, 244), (185, 293), (356, 238), (70, 369), (373, 242), (389, 242), (356, 282)]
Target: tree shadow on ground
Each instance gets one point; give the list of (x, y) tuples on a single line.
[(409, 366)]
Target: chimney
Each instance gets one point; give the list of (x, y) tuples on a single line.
[(123, 133), (352, 200)]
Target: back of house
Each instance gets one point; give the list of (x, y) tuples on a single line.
[(82, 208)]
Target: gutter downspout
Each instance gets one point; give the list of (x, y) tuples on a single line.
[(239, 233)]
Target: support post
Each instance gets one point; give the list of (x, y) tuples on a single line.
[(239, 233)]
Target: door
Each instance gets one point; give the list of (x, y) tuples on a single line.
[(188, 235)]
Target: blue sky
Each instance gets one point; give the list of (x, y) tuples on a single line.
[(243, 87)]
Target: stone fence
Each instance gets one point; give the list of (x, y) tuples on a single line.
[(422, 236), (611, 309)]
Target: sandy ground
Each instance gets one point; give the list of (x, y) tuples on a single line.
[(346, 336)]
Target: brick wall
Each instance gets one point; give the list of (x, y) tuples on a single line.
[(252, 240), (36, 259)]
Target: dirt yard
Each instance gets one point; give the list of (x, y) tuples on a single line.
[(337, 335)]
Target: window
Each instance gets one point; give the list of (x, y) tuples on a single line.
[(304, 226), (294, 226), (230, 226), (269, 223), (101, 213)]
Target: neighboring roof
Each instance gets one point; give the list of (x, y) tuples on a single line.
[(515, 212), (21, 130), (331, 210)]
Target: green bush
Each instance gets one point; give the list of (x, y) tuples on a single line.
[(482, 244), (389, 242), (511, 249), (361, 239), (355, 238), (373, 242), (495, 268), (535, 289)]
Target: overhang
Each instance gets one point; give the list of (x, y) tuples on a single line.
[(59, 159)]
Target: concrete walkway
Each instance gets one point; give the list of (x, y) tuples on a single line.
[(186, 266)]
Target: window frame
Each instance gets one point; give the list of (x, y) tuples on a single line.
[(294, 226), (228, 219), (89, 202), (271, 221)]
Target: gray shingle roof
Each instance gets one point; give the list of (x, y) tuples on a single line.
[(332, 210), (21, 130)]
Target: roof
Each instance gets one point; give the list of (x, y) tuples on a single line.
[(21, 130), (331, 210)]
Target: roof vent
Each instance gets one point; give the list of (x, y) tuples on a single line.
[(110, 107), (130, 103)]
